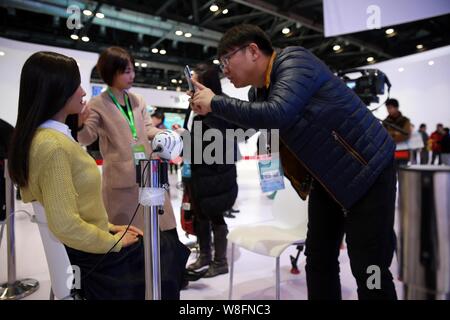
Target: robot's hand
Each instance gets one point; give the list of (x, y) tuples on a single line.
[(167, 145)]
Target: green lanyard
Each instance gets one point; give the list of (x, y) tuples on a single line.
[(129, 117)]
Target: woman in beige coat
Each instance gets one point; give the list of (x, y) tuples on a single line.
[(120, 119)]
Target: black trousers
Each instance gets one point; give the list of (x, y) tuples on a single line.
[(120, 275), (370, 238), (424, 157), (435, 155)]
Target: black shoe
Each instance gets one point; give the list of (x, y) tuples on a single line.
[(216, 269), (191, 275), (228, 214)]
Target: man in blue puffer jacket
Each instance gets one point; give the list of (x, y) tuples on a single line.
[(327, 136)]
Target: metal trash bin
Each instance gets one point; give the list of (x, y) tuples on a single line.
[(424, 237)]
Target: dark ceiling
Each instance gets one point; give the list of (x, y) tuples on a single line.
[(39, 22)]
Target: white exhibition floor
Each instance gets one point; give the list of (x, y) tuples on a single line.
[(254, 277)]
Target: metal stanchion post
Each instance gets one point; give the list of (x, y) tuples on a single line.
[(151, 234), (424, 211), (14, 289)]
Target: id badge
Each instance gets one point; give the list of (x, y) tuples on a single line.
[(138, 152), (186, 170), (271, 174)]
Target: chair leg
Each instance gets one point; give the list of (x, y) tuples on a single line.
[(230, 287), (277, 294), (52, 295)]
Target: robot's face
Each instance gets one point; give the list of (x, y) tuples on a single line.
[(169, 143)]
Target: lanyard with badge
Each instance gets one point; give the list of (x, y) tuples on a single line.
[(270, 173), (271, 176), (137, 149)]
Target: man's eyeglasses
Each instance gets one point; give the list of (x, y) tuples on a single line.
[(225, 60)]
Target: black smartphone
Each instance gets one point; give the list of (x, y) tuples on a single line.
[(187, 74)]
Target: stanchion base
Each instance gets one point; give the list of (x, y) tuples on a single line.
[(18, 290)]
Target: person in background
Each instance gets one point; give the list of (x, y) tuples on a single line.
[(213, 187), (50, 167), (158, 119), (399, 128), (119, 119), (445, 147), (424, 151), (436, 149)]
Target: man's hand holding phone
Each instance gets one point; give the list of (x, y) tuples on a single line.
[(201, 99)]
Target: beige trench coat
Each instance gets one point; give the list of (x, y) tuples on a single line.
[(120, 191)]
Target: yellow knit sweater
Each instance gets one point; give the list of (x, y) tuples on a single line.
[(66, 181)]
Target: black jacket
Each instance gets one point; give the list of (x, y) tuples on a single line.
[(213, 186), (322, 122)]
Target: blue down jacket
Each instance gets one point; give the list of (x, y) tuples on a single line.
[(322, 122)]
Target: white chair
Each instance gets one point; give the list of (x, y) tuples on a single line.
[(271, 238), (60, 269)]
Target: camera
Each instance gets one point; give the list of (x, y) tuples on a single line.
[(368, 85)]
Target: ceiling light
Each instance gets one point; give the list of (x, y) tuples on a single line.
[(2, 53), (85, 38), (214, 8), (285, 30), (215, 61), (336, 47), (401, 69), (419, 46), (179, 33), (225, 11), (159, 87), (87, 12), (162, 51), (430, 63), (180, 81), (155, 50), (99, 15), (188, 34), (74, 37), (143, 65), (389, 31), (174, 81), (370, 59)]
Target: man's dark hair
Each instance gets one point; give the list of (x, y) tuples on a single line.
[(422, 125), (447, 130), (208, 75), (392, 102), (244, 34), (112, 61)]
